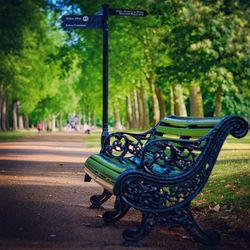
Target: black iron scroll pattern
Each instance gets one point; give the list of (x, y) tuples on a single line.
[(148, 195), (124, 144), (151, 192), (164, 199), (166, 157)]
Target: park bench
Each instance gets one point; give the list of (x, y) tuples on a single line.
[(161, 171)]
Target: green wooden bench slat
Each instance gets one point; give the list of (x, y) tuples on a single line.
[(184, 121), (92, 164), (113, 163), (193, 132), (107, 168)]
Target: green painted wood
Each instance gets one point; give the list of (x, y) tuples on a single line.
[(108, 169), (113, 163), (186, 121), (193, 132), (100, 170)]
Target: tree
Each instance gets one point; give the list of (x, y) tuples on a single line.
[(20, 40), (206, 43)]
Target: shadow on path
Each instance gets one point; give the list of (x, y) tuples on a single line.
[(44, 200)]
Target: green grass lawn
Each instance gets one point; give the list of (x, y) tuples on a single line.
[(229, 183), (14, 135)]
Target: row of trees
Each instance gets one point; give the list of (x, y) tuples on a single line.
[(185, 58), (35, 81)]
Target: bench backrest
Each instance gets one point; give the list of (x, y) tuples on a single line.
[(183, 127)]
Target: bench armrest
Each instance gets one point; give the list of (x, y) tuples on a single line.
[(166, 157), (120, 144), (150, 193)]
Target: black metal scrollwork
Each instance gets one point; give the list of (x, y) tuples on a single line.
[(171, 173), (145, 193), (124, 144), (166, 157)]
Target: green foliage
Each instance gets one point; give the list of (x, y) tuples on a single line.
[(51, 71), (208, 41)]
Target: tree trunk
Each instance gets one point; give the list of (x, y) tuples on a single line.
[(180, 107), (26, 121), (118, 124), (156, 108), (161, 102), (20, 121), (145, 113), (1, 104), (218, 98), (84, 119), (4, 113), (171, 100), (140, 110), (14, 112), (89, 119), (53, 123), (85, 122), (7, 115), (151, 78), (61, 121), (195, 98), (136, 109), (132, 103), (20, 116), (94, 119), (133, 108), (129, 112), (44, 125), (80, 119)]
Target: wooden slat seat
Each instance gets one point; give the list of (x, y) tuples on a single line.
[(184, 127), (105, 170)]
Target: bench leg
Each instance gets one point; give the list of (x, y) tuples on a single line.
[(135, 234), (205, 236), (120, 210), (98, 200)]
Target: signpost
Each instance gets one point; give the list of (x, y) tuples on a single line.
[(125, 12), (100, 20), (105, 130), (74, 21)]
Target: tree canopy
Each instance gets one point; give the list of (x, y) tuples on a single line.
[(185, 58)]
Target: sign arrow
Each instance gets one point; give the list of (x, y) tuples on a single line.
[(76, 21), (79, 25), (125, 12)]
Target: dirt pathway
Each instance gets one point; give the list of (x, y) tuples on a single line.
[(44, 200)]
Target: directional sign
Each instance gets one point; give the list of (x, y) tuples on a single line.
[(125, 12), (84, 22)]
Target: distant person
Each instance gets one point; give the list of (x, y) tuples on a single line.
[(74, 122), (86, 128), (39, 127)]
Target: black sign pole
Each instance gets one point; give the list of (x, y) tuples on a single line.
[(105, 131)]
